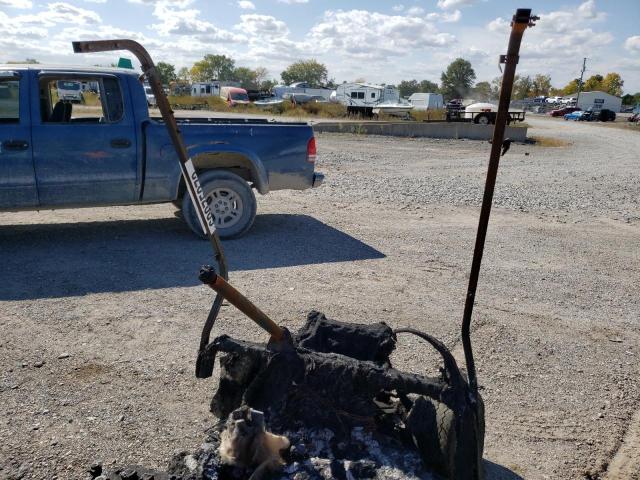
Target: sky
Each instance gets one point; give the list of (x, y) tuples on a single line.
[(380, 41)]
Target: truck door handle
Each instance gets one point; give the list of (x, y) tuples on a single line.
[(15, 145), (120, 143)]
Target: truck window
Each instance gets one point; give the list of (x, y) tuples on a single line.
[(65, 101), (9, 101)]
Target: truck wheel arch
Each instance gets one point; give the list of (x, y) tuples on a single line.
[(242, 164)]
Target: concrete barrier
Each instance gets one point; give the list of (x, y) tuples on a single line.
[(416, 129)]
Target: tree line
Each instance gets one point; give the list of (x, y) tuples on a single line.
[(222, 67), (458, 81)]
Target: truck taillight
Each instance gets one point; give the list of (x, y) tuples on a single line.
[(311, 150)]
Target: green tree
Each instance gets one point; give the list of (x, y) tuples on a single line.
[(167, 72), (268, 84), (594, 82), (522, 87), (246, 77), (408, 87), (612, 83), (541, 85), (184, 75), (427, 86), (310, 71), (457, 79), (483, 91), (213, 67), (571, 87)]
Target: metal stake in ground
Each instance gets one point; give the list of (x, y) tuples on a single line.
[(186, 165), (521, 20)]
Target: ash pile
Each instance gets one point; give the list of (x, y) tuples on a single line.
[(327, 404)]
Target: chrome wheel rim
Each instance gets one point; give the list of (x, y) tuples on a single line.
[(226, 207)]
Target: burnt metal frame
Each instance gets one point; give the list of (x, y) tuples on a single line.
[(189, 174)]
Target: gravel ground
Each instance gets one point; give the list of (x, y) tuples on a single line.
[(101, 309)]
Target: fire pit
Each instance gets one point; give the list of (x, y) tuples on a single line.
[(326, 402)]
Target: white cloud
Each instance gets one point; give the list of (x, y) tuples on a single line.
[(188, 22), (397, 8), (262, 25), (291, 2), (246, 5), (360, 33), (415, 11), (633, 44), (447, 4), (96, 1), (16, 3), (445, 17)]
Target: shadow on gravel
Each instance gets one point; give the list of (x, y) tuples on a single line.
[(70, 259), (493, 471)]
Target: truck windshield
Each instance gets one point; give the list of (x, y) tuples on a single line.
[(239, 96), (64, 85)]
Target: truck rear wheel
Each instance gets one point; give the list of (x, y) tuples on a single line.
[(232, 204)]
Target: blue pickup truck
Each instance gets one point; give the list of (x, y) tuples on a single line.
[(106, 149)]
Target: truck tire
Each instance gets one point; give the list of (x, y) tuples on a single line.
[(231, 200), (482, 119)]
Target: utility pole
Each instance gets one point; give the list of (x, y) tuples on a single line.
[(584, 67)]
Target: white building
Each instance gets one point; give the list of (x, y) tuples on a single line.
[(598, 100)]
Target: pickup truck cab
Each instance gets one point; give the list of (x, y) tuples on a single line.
[(110, 151)]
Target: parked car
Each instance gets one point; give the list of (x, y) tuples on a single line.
[(234, 96), (559, 112), (606, 115), (577, 115), (70, 91), (151, 98), (55, 154), (553, 99)]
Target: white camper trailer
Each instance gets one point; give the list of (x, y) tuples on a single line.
[(362, 98), (205, 89), (426, 101), (288, 92)]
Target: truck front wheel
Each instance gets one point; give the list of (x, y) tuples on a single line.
[(232, 204)]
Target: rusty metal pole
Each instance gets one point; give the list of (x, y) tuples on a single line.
[(186, 165), (521, 20)]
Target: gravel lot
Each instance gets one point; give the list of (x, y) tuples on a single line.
[(100, 309)]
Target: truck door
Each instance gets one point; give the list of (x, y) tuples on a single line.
[(17, 177), (84, 151)]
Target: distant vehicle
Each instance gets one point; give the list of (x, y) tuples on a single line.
[(559, 112), (234, 96), (634, 118), (302, 98), (568, 100), (541, 99), (151, 98), (554, 99), (70, 91), (362, 98), (426, 101), (578, 116), (484, 113), (605, 115)]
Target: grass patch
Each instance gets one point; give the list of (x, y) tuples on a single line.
[(438, 115), (541, 141)]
